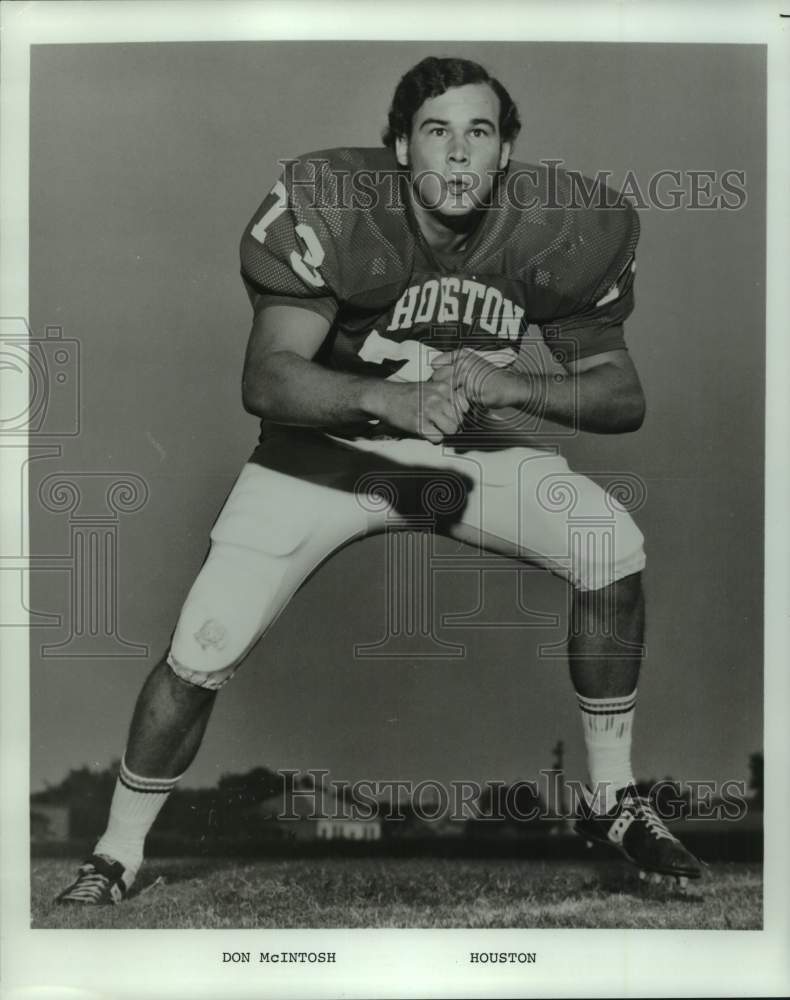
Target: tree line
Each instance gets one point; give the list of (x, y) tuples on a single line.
[(229, 808)]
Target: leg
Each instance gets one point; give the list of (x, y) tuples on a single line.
[(568, 524), (167, 727), (565, 522), (168, 724), (604, 653), (264, 544), (605, 641)]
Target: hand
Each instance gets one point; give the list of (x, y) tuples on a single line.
[(431, 410), (471, 373)]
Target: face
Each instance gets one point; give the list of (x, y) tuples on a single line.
[(455, 149)]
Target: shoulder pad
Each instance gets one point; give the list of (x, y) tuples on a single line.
[(334, 224), (567, 236)]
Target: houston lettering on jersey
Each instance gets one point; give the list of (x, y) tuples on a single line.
[(466, 301)]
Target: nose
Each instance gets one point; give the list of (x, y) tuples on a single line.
[(458, 151)]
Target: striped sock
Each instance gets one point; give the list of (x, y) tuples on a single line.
[(135, 805), (607, 724)]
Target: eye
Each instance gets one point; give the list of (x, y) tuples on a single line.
[(479, 133), (438, 130)]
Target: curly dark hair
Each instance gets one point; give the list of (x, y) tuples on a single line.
[(432, 77)]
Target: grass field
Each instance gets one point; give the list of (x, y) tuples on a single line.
[(405, 892)]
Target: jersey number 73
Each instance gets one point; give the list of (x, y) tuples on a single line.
[(305, 263)]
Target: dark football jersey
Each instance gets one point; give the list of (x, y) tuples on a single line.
[(336, 235)]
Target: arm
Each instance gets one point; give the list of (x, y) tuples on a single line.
[(282, 382), (601, 393)]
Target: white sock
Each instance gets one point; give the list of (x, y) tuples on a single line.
[(136, 802), (607, 724)]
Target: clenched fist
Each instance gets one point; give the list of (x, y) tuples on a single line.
[(432, 410), (481, 381)]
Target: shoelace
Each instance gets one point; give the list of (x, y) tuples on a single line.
[(89, 885), (642, 809)]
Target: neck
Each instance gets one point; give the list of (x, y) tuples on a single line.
[(445, 233)]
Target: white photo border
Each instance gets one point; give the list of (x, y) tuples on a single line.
[(390, 963)]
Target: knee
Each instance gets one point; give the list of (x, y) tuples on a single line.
[(615, 555), (234, 599), (211, 680), (240, 586), (208, 646)]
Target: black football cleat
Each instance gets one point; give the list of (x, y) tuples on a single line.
[(639, 834), (99, 882)]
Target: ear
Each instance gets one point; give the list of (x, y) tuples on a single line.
[(504, 155), (402, 150)]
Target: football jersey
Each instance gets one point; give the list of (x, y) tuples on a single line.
[(337, 235)]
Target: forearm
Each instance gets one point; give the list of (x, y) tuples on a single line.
[(289, 389), (597, 400)]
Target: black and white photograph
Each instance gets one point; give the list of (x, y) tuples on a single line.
[(393, 500)]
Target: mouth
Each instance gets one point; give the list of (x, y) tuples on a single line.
[(459, 186)]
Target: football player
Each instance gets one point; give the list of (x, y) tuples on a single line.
[(391, 290)]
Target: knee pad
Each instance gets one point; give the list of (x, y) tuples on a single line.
[(593, 534), (240, 588), (236, 596), (603, 554), (211, 681)]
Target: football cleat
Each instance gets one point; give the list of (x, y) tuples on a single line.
[(99, 882), (639, 834)]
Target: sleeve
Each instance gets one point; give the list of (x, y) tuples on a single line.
[(288, 252), (604, 290)]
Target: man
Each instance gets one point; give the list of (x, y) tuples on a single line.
[(391, 289)]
